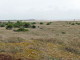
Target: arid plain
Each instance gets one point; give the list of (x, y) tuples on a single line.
[(58, 41)]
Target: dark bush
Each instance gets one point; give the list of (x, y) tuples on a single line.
[(21, 29), (9, 26), (48, 23), (78, 23), (33, 23), (2, 25), (41, 22), (19, 25), (26, 25), (16, 25), (72, 24), (33, 26), (63, 32)]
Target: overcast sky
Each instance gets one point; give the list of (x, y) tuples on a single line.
[(40, 9)]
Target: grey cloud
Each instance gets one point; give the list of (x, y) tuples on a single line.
[(38, 9)]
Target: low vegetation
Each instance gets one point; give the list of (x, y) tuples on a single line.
[(21, 29), (33, 26), (9, 26), (63, 32), (48, 23), (41, 22), (25, 41)]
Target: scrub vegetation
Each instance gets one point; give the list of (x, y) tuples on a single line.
[(53, 40)]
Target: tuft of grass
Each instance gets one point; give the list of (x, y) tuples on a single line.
[(63, 32)]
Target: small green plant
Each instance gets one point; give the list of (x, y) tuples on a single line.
[(69, 22), (48, 23), (41, 22), (33, 23), (2, 25), (78, 23), (72, 24), (63, 32), (33, 26), (26, 25), (9, 26), (18, 24), (21, 29)]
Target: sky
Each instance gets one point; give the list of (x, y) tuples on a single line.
[(39, 9)]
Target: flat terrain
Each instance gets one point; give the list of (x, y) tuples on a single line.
[(58, 41)]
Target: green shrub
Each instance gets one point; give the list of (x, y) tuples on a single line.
[(41, 22), (26, 25), (78, 23), (72, 24), (16, 25), (48, 23), (9, 26), (19, 25), (69, 22), (2, 25), (21, 29), (19, 22), (33, 23), (33, 26), (63, 32)]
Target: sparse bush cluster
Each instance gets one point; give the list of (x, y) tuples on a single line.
[(19, 24), (75, 23)]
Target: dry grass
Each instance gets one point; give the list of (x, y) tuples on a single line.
[(45, 42)]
